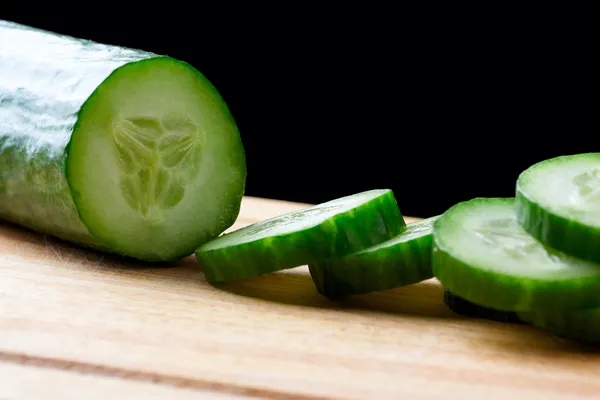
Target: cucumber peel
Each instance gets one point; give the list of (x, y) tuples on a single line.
[(331, 229), (558, 202), (577, 325), (481, 254), (402, 260)]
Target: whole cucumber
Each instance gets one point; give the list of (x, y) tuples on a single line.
[(120, 149)]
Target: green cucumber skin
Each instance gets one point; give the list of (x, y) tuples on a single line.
[(46, 81), (494, 290), (570, 237), (367, 225), (42, 89), (449, 271), (366, 272), (452, 273), (34, 192), (582, 326)]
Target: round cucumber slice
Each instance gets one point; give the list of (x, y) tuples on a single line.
[(578, 325), (481, 254), (326, 230), (469, 309), (402, 260), (558, 202)]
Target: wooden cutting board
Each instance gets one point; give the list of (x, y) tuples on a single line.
[(82, 325)]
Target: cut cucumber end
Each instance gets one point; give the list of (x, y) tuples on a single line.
[(155, 163), (558, 202), (481, 254)]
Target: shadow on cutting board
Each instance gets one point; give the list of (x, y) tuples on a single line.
[(29, 242), (295, 287), (422, 300), (292, 287)]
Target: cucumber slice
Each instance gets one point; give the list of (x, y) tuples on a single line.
[(558, 202), (481, 254), (402, 260), (578, 325), (326, 230), (115, 148), (469, 309)]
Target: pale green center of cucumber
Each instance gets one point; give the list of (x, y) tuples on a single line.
[(515, 243), (489, 236), (156, 164), (151, 152), (569, 187), (588, 188), (279, 224), (296, 220)]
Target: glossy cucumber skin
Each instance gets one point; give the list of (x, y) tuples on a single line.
[(578, 325), (45, 78), (568, 236), (370, 271), (364, 226)]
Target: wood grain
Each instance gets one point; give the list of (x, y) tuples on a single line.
[(65, 310), (39, 383)]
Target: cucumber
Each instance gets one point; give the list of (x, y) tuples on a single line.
[(331, 229), (468, 309), (402, 260), (577, 325), (482, 254), (558, 202), (114, 148)]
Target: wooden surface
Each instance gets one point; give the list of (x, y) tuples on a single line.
[(76, 324)]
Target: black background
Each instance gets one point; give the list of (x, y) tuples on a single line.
[(439, 114)]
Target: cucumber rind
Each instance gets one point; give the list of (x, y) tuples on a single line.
[(505, 292), (354, 229), (387, 265), (567, 234), (581, 325)]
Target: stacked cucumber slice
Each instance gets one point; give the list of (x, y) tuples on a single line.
[(559, 204), (329, 230), (483, 255), (533, 258), (400, 261), (355, 244)]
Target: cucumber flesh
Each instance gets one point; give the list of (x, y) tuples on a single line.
[(578, 325), (120, 149), (402, 260), (481, 254), (332, 229), (469, 309), (558, 202)]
